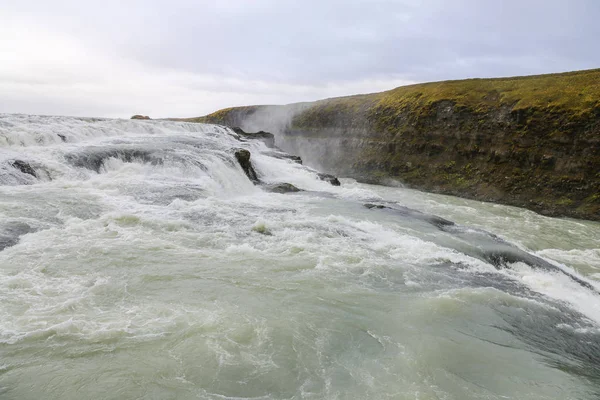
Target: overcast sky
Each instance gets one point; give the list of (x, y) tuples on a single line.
[(188, 58)]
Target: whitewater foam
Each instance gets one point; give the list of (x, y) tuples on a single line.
[(142, 256)]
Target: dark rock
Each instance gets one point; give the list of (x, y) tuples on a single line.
[(295, 159), (434, 220), (243, 157), (548, 161), (284, 156), (93, 158), (262, 229), (138, 116), (282, 188), (266, 137), (62, 137), (501, 254), (11, 232), (329, 178), (24, 167)]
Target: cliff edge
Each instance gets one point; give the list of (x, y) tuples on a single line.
[(529, 141)]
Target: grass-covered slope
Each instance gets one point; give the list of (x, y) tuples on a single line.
[(529, 141)]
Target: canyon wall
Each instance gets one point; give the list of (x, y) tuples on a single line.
[(531, 141)]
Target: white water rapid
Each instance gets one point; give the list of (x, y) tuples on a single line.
[(138, 261)]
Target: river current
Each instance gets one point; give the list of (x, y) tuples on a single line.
[(138, 261)]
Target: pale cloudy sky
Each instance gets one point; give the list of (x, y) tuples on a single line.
[(188, 58)]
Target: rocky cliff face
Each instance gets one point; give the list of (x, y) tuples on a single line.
[(532, 142)]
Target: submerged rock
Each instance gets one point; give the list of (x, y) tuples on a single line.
[(138, 116), (24, 167), (266, 137), (486, 246), (243, 157), (376, 206), (329, 178), (11, 232), (262, 229), (438, 222), (282, 188), (94, 158)]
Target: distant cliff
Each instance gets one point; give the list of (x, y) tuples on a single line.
[(530, 141)]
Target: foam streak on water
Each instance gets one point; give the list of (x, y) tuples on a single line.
[(138, 261)]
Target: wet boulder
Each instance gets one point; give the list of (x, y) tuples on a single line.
[(284, 156), (243, 158), (266, 137), (329, 178), (439, 222), (295, 159), (375, 206), (93, 158), (282, 188), (11, 232), (24, 167)]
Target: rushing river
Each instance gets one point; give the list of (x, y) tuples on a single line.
[(139, 262)]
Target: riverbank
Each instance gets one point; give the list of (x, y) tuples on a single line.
[(531, 142)]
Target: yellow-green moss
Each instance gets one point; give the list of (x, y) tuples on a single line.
[(565, 201), (577, 93)]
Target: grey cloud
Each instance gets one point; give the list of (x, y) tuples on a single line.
[(317, 42), (320, 41)]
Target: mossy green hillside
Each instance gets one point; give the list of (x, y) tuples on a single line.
[(530, 141)]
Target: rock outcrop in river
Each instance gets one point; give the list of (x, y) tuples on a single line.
[(243, 158), (531, 141)]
